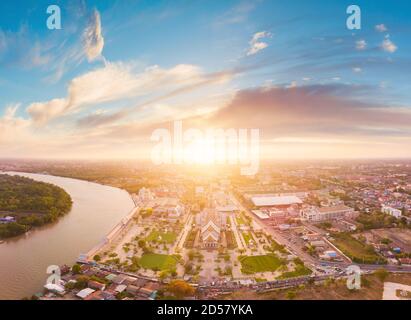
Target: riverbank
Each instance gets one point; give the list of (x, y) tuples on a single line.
[(26, 204), (96, 209)]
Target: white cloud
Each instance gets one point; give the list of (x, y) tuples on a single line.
[(293, 84), (112, 82), (381, 28), (12, 127), (356, 69), (361, 45), (256, 44), (388, 46), (93, 38), (41, 112)]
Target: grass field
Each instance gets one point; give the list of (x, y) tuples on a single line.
[(355, 249), (254, 264), (300, 270), (247, 237), (158, 262), (168, 237), (240, 220)]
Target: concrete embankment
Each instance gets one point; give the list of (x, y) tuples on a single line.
[(110, 237)]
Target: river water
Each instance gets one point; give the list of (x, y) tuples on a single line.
[(24, 260)]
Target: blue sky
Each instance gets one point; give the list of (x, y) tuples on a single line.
[(146, 62)]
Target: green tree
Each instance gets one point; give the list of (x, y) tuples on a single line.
[(180, 289), (76, 269)]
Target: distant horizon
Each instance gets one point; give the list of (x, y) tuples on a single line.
[(200, 164)]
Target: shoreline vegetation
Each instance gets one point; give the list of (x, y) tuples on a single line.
[(29, 203)]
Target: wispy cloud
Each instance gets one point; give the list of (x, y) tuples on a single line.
[(237, 14), (388, 46), (381, 28), (361, 45), (93, 38), (11, 126), (19, 49), (97, 86), (256, 44)]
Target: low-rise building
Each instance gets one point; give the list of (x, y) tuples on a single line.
[(83, 294), (391, 211), (275, 201), (316, 214)]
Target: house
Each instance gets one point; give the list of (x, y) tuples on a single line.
[(120, 288), (110, 277), (7, 219), (131, 289), (139, 282), (149, 290), (96, 295), (83, 294), (169, 206), (96, 285), (64, 269), (108, 295), (405, 261), (119, 279)]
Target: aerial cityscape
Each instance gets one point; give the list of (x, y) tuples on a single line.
[(204, 150)]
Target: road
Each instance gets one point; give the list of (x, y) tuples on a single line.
[(305, 257), (294, 249)]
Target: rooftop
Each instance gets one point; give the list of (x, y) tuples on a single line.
[(275, 201)]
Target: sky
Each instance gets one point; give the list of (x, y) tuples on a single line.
[(118, 70)]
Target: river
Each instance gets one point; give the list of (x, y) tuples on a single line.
[(24, 260)]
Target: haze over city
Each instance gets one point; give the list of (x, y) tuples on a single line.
[(222, 151)]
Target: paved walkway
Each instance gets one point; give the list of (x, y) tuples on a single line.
[(390, 290), (183, 235), (237, 236)]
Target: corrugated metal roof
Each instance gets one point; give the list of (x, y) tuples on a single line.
[(275, 201)]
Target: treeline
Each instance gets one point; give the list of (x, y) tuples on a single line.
[(378, 220), (33, 204)]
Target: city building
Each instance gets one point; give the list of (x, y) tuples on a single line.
[(211, 224), (83, 294), (275, 201), (391, 211), (7, 219), (316, 214), (145, 194)]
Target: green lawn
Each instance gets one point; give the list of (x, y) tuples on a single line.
[(254, 264), (300, 270), (247, 237), (168, 237), (240, 220), (159, 262), (355, 249)]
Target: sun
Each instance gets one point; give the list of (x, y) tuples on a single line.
[(200, 152)]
